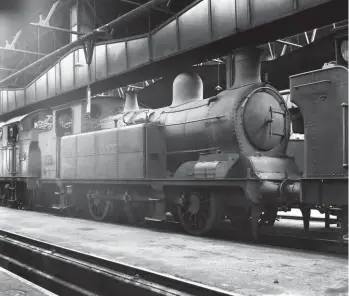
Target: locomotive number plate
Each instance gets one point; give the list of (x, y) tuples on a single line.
[(48, 159), (22, 156)]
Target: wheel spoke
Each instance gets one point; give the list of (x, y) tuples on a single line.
[(95, 210), (202, 218), (185, 214), (196, 225), (98, 208), (204, 215), (197, 213)]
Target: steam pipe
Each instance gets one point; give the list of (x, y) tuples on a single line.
[(92, 35)]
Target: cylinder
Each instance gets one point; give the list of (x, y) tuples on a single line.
[(131, 103), (270, 189), (247, 66), (293, 191)]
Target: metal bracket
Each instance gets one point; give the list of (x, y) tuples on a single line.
[(89, 46), (313, 35), (271, 51), (12, 44), (46, 21)]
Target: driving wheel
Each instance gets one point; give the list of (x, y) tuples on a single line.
[(198, 212)]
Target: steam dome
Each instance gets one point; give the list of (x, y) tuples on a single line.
[(187, 87)]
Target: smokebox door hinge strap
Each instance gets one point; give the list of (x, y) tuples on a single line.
[(269, 121)]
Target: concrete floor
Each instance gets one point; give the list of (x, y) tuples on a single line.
[(242, 268), (12, 285), (298, 213)]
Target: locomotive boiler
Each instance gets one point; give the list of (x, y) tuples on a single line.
[(247, 119)]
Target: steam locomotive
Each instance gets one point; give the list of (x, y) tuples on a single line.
[(199, 161)]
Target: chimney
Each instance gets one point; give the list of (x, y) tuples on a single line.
[(131, 102), (247, 67)]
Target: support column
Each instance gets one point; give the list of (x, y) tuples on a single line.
[(306, 217), (327, 219), (80, 19)]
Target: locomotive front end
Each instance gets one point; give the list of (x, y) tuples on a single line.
[(248, 118), (264, 118), (260, 119)]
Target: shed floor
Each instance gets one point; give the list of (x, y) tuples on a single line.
[(12, 285), (242, 268)]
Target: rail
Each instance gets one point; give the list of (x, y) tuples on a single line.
[(67, 272)]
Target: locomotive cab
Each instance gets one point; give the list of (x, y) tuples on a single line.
[(68, 121), (13, 133), (20, 157), (322, 97), (341, 46), (340, 58)]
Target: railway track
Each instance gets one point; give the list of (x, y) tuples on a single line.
[(310, 241), (67, 272)]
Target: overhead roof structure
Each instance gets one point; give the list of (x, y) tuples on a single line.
[(32, 29), (203, 29)]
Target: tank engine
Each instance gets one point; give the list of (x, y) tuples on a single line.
[(200, 159)]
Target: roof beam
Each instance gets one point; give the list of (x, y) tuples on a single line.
[(154, 8), (38, 25), (49, 58), (22, 51), (12, 44), (7, 69), (288, 43), (46, 21)]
